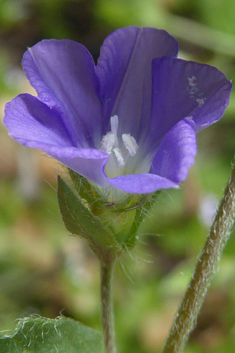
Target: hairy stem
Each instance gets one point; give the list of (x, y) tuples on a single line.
[(107, 308), (186, 317)]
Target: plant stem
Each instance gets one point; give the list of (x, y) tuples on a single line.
[(107, 307), (186, 317)]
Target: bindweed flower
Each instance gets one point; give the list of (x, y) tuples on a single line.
[(127, 123)]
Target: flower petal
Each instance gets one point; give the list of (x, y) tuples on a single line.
[(141, 183), (26, 117), (34, 124), (124, 71), (170, 166), (63, 74), (213, 109), (175, 153), (185, 89)]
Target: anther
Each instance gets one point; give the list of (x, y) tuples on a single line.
[(110, 145), (119, 157), (130, 144), (108, 142)]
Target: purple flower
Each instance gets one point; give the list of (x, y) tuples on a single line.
[(130, 121)]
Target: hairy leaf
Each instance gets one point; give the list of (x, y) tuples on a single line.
[(41, 335)]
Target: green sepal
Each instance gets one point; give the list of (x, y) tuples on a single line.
[(86, 190), (96, 199), (80, 221), (123, 217), (41, 335), (141, 212)]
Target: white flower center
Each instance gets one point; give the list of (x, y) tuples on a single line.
[(119, 151)]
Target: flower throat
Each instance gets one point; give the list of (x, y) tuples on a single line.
[(119, 151)]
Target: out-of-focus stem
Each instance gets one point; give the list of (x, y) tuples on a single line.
[(107, 308), (186, 317)]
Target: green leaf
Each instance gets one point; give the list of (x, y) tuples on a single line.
[(80, 221), (41, 335)]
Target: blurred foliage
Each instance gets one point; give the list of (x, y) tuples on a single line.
[(42, 269), (219, 14)]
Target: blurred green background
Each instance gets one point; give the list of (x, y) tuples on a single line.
[(45, 271)]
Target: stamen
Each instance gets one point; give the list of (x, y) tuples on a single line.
[(130, 144), (119, 157), (119, 151), (108, 142)]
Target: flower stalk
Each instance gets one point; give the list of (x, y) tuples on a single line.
[(186, 317), (107, 307)]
